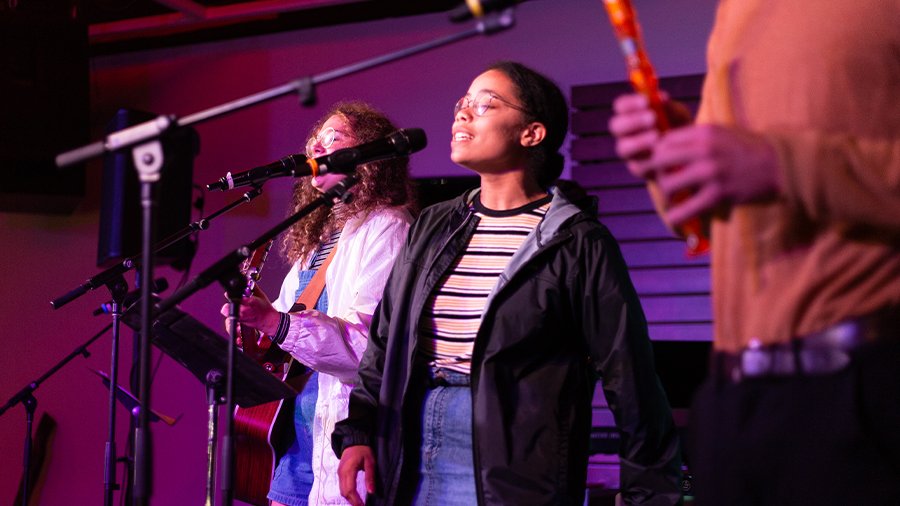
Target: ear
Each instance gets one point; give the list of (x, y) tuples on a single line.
[(533, 134)]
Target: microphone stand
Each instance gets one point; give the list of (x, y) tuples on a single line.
[(29, 401), (105, 277), (118, 289), (113, 279), (144, 140), (226, 272), (148, 162), (304, 87)]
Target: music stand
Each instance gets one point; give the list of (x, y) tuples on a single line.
[(204, 353)]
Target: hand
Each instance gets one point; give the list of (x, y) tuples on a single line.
[(257, 312), (719, 166), (353, 460), (634, 127)]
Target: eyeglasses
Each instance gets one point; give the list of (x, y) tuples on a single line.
[(325, 139), (481, 103)]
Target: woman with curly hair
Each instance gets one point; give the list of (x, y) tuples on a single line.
[(362, 236)]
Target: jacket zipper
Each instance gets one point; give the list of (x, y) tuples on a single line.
[(475, 370), (415, 349)]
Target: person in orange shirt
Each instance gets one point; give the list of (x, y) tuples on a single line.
[(794, 158)]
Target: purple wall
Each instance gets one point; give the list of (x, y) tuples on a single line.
[(569, 40)]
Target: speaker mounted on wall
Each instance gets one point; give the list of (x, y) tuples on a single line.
[(44, 85), (120, 207)]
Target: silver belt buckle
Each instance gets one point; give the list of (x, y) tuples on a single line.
[(755, 361)]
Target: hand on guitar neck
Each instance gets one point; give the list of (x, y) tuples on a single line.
[(257, 428), (257, 319), (257, 323)]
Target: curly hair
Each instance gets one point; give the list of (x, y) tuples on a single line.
[(381, 184)]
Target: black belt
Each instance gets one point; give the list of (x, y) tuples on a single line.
[(824, 352)]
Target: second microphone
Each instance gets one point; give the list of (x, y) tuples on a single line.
[(399, 143)]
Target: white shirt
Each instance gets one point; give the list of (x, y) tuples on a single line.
[(333, 343)]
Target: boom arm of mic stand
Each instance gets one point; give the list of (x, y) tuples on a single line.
[(220, 269), (31, 387), (304, 87), (126, 265)]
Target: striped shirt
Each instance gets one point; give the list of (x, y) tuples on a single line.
[(318, 259), (324, 250), (452, 315)]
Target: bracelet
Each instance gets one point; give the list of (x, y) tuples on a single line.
[(284, 324)]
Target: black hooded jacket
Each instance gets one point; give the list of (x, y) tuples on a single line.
[(563, 315)]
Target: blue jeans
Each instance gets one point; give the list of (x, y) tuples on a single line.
[(446, 469), (293, 476)]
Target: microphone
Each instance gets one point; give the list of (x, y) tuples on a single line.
[(478, 8), (399, 143), (158, 285)]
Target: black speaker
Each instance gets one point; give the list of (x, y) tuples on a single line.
[(120, 208), (44, 85)]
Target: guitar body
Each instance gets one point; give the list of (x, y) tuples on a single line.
[(258, 429), (255, 455), (258, 436)]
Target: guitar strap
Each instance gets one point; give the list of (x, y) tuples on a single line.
[(310, 295), (295, 375)]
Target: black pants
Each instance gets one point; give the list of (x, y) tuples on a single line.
[(815, 440)]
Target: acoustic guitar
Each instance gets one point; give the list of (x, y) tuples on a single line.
[(258, 429)]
